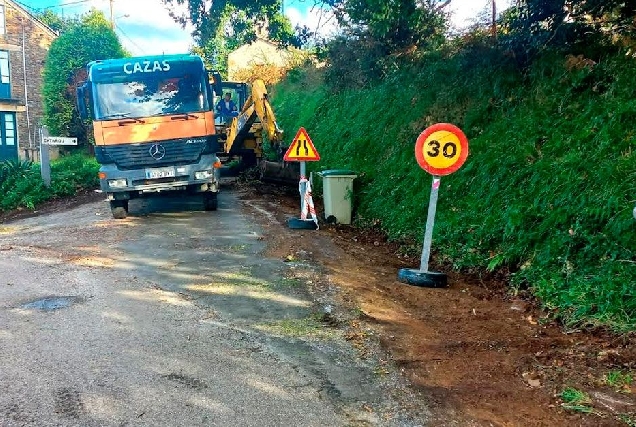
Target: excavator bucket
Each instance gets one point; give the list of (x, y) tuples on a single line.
[(280, 172)]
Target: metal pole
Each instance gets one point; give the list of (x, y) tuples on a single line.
[(112, 20), (430, 222), (303, 186), (45, 162), (26, 86), (494, 20)]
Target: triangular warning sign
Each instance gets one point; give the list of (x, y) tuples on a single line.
[(302, 149)]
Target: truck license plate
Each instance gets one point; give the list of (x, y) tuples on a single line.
[(160, 173)]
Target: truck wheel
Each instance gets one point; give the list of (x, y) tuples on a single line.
[(119, 208), (211, 202)]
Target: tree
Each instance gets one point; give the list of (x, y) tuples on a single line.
[(378, 35), (396, 24), (579, 26), (220, 26), (56, 22), (87, 39)]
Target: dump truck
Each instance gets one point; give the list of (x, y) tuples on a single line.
[(154, 127)]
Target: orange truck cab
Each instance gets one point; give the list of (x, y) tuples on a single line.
[(153, 122)]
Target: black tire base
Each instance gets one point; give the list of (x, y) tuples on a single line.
[(301, 224), (422, 279), (331, 219)]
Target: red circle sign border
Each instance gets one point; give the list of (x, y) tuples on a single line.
[(419, 153)]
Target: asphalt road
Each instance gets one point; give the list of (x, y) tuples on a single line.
[(172, 317)]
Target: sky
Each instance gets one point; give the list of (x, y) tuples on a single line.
[(146, 28)]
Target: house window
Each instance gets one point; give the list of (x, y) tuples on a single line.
[(5, 75), (9, 128), (3, 26)]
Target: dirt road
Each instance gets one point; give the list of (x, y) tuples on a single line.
[(176, 316), (181, 317)]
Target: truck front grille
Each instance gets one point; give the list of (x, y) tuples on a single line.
[(154, 154)]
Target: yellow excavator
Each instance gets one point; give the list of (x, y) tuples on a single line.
[(242, 136)]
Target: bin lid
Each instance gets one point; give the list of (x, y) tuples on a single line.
[(338, 172)]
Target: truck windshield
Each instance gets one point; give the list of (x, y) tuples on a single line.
[(150, 96)]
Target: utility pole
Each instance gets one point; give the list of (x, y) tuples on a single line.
[(494, 20), (112, 20)]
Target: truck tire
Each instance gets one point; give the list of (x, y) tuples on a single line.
[(119, 208), (211, 202)]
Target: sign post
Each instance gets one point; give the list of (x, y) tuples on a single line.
[(440, 150), (45, 155), (302, 150), (45, 158)]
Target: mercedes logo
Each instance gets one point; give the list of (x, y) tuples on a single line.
[(157, 151)]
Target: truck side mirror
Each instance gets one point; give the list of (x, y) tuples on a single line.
[(216, 83), (81, 101)]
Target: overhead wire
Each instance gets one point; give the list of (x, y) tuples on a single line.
[(74, 3), (123, 33), (61, 5)]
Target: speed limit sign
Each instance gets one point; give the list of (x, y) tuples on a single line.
[(441, 149)]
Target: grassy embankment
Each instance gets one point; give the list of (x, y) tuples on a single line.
[(547, 191), (21, 184)]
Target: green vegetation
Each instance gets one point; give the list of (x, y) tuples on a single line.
[(308, 327), (618, 379), (628, 419), (83, 40), (288, 282), (21, 184), (547, 190), (576, 400), (545, 95), (226, 25), (56, 22)]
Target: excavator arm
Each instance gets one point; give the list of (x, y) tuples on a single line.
[(243, 136), (256, 111)]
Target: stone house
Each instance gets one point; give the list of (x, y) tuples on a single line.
[(24, 44)]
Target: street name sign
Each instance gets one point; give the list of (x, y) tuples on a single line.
[(58, 140)]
